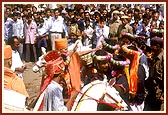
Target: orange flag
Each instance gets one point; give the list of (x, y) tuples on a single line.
[(74, 71)]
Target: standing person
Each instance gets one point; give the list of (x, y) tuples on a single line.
[(11, 80), (52, 90), (137, 77), (17, 65), (30, 30), (75, 36), (53, 97), (8, 26), (114, 24), (155, 82), (87, 34), (145, 26), (58, 27), (155, 17), (41, 38), (47, 25), (124, 27), (88, 16), (18, 31), (102, 31)]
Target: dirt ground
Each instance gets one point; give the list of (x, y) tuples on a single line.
[(32, 81)]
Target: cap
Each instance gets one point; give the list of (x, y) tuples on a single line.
[(124, 17), (61, 43), (7, 52), (116, 12), (121, 12)]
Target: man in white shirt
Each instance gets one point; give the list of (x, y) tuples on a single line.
[(17, 65), (57, 28), (47, 25), (41, 37), (102, 31), (88, 33), (18, 31)]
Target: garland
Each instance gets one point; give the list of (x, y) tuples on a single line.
[(110, 46), (134, 68), (120, 63), (110, 56), (102, 58)]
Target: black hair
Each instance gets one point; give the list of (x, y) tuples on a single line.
[(15, 14), (11, 40), (56, 75), (118, 57), (29, 16), (56, 9), (34, 7), (100, 53), (47, 9), (146, 16), (129, 11), (136, 10), (41, 20), (161, 22), (132, 48)]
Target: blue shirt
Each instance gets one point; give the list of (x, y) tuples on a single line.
[(8, 28)]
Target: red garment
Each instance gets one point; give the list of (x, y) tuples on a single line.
[(74, 72)]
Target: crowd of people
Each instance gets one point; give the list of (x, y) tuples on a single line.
[(84, 43)]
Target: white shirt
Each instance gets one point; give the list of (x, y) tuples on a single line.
[(58, 25), (89, 31), (18, 28), (16, 62), (41, 30), (101, 34), (47, 23)]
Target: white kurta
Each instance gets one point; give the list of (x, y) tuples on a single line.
[(16, 62)]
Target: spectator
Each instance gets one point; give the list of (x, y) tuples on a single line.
[(87, 34), (57, 28), (47, 25), (8, 26), (18, 31), (124, 27), (115, 22), (30, 30), (41, 38), (17, 64), (102, 31), (155, 82)]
